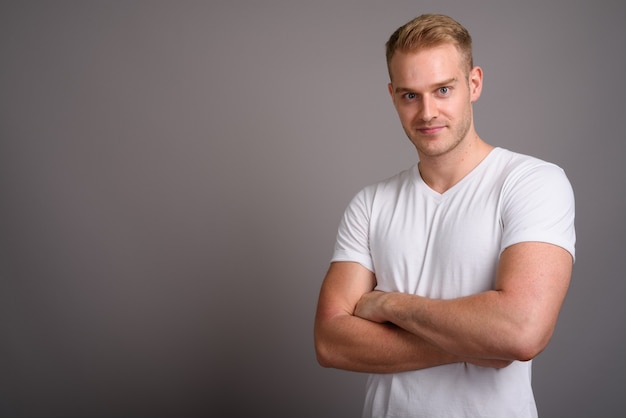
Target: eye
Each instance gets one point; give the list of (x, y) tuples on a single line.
[(444, 91), (410, 96)]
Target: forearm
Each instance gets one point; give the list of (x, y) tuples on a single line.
[(351, 343), (478, 326)]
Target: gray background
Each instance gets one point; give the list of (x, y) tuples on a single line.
[(172, 175)]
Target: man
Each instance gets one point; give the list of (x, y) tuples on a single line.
[(448, 278)]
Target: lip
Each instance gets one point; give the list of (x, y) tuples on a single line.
[(430, 130)]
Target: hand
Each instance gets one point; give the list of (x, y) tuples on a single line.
[(369, 306)]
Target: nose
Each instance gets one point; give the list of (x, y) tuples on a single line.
[(428, 109)]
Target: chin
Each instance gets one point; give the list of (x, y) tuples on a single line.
[(434, 150)]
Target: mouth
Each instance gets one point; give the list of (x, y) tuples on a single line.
[(430, 130)]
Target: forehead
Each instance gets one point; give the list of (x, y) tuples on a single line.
[(426, 67)]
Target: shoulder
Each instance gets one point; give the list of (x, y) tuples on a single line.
[(404, 179), (521, 170), (537, 204), (383, 191), (514, 161)]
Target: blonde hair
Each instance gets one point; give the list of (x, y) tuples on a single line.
[(430, 30)]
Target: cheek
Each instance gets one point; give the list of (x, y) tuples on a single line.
[(406, 114), (454, 110)]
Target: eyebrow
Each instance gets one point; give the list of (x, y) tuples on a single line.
[(444, 83)]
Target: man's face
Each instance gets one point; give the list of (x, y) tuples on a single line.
[(433, 97)]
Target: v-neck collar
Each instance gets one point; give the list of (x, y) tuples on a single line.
[(419, 181)]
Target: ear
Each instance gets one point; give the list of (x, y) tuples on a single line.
[(390, 89), (475, 83)]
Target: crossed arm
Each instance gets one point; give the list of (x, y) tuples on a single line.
[(371, 331)]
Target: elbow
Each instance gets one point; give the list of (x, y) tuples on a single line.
[(525, 352), (323, 358), (330, 353), (527, 344), (329, 356), (323, 352)]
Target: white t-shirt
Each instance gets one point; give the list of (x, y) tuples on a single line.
[(446, 246)]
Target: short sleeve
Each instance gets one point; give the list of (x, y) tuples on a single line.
[(353, 234), (538, 205)]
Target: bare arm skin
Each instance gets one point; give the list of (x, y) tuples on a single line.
[(345, 341), (513, 322)]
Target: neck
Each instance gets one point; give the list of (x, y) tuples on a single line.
[(441, 172)]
